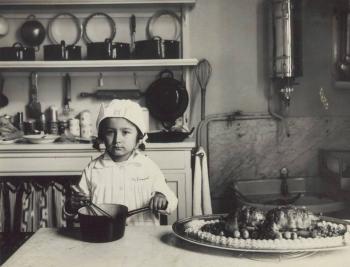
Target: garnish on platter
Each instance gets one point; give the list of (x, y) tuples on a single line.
[(282, 228)]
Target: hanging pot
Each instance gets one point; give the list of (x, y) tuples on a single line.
[(167, 98), (32, 32)]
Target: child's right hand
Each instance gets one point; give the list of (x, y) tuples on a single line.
[(78, 199)]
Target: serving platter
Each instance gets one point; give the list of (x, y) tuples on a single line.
[(179, 228)]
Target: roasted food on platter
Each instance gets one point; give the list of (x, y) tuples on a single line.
[(285, 227)]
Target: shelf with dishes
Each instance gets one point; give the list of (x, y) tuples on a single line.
[(100, 65)]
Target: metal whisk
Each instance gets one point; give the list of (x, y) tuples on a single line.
[(203, 72)]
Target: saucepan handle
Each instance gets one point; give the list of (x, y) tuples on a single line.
[(135, 211)]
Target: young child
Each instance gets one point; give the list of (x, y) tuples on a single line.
[(122, 174)]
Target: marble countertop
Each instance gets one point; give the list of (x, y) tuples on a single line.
[(151, 246)]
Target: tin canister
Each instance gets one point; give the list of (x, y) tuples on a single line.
[(53, 127), (62, 127), (29, 126), (86, 131), (53, 113), (85, 117), (74, 127)]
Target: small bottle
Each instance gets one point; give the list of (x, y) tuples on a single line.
[(42, 127), (20, 121)]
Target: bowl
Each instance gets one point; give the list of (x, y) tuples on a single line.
[(41, 138)]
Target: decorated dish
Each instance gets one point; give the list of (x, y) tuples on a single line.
[(41, 138), (280, 230)]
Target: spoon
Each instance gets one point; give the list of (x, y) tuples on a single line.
[(3, 99)]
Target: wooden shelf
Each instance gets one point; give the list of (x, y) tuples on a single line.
[(92, 2), (94, 65)]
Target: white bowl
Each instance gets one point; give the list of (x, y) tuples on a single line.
[(41, 138)]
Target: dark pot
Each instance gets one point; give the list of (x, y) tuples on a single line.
[(32, 32), (108, 50), (55, 51), (17, 52), (100, 228), (171, 49), (148, 49), (62, 52)]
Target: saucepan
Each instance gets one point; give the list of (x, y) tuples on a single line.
[(104, 222)]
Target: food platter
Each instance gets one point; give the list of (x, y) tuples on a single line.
[(289, 246)]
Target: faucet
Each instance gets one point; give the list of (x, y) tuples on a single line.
[(284, 185)]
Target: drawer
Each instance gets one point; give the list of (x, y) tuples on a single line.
[(170, 160)]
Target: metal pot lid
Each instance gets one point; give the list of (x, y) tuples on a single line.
[(113, 28), (51, 26)]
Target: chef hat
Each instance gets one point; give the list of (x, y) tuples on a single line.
[(126, 109)]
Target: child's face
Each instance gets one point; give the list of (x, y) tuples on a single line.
[(120, 137)]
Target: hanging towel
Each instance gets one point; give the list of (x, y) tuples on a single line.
[(201, 190)]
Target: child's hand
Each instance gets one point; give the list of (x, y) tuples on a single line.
[(158, 202), (78, 200)]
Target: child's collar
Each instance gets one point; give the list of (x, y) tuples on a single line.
[(105, 161)]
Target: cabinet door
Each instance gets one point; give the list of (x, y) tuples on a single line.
[(176, 182)]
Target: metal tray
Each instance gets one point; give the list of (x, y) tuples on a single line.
[(179, 231)]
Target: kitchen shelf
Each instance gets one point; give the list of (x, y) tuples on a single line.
[(93, 2), (94, 65)]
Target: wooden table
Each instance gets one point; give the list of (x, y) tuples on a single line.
[(150, 246)]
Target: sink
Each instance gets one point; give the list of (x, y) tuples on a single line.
[(314, 202)]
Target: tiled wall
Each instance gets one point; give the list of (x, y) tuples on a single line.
[(250, 149)]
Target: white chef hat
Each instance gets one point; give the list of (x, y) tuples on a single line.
[(122, 108)]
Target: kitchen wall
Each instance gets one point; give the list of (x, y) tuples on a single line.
[(236, 43)]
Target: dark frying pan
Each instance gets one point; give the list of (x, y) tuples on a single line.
[(97, 227), (166, 98)]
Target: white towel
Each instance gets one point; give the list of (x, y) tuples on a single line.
[(201, 191)]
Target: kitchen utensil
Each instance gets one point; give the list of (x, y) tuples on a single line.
[(34, 106), (101, 228), (114, 94), (166, 35), (32, 32), (203, 72), (167, 98), (3, 99), (170, 44), (67, 95), (133, 33), (4, 26), (17, 52), (55, 51), (149, 49), (110, 21), (108, 50), (77, 23), (167, 136), (344, 65)]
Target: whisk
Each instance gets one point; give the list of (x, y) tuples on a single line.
[(203, 72)]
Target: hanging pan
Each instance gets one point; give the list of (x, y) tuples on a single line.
[(166, 98)]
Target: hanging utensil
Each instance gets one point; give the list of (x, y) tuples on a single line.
[(67, 95), (133, 33), (3, 99), (34, 106), (203, 72), (114, 94)]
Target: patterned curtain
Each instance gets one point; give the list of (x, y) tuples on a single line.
[(27, 206)]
